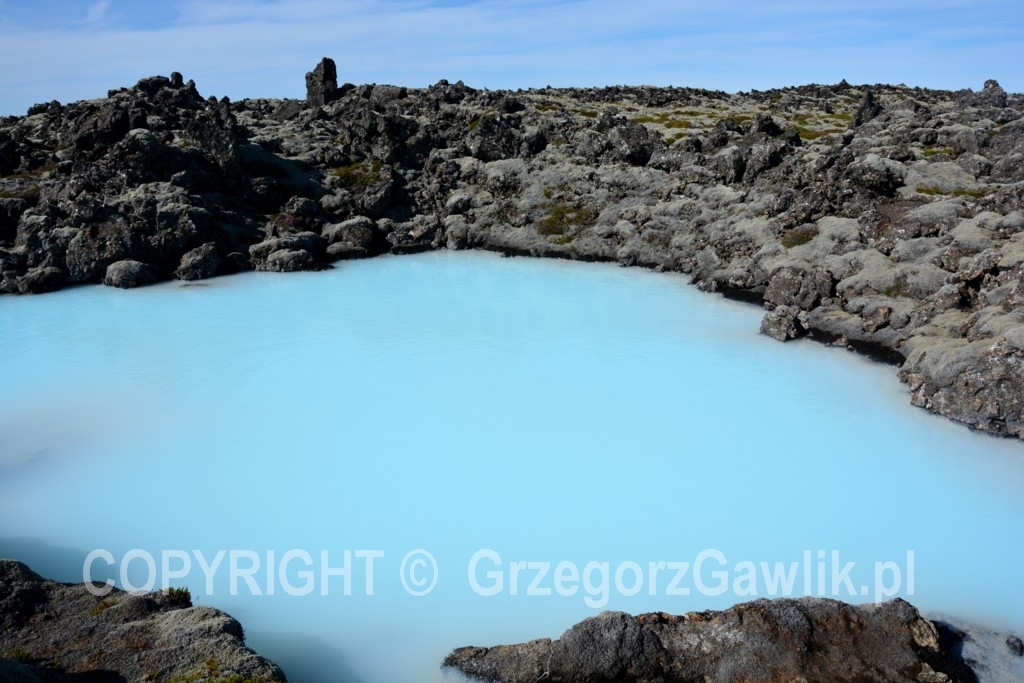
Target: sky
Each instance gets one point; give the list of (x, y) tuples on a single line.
[(78, 49)]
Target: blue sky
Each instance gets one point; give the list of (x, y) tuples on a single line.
[(75, 49)]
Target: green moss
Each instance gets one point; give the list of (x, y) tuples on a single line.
[(29, 175), (932, 190), (964, 192), (844, 116), (739, 119), (801, 234), (563, 239), (898, 287), (662, 119), (935, 151), (586, 113), (475, 123), (103, 606), (541, 107), (562, 216), (359, 175), (33, 174), (30, 193), (811, 134)]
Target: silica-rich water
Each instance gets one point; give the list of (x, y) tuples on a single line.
[(494, 448)]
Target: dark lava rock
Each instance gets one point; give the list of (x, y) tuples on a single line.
[(781, 324), (322, 83), (353, 238), (869, 109), (764, 641), (991, 95), (1016, 645), (200, 263), (885, 216), (41, 280), (289, 253), (116, 638), (127, 274)]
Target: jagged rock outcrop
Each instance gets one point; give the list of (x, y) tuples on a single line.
[(322, 83), (885, 219), (61, 633), (807, 639)]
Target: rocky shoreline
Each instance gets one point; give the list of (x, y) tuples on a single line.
[(61, 633), (53, 632), (805, 639), (886, 219)]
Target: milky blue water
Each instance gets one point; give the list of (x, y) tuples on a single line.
[(545, 411)]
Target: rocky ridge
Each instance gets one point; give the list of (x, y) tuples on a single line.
[(61, 633), (764, 641), (881, 218)]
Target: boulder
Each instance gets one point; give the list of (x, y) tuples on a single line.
[(199, 263), (288, 253), (799, 287), (41, 280), (353, 238), (781, 323), (127, 274)]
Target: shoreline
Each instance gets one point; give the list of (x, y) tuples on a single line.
[(58, 632), (885, 219)]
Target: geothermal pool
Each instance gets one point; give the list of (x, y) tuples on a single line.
[(501, 447)]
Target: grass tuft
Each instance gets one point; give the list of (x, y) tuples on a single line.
[(359, 175), (180, 597), (801, 234)]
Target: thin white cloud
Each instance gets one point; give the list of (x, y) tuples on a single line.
[(97, 10)]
